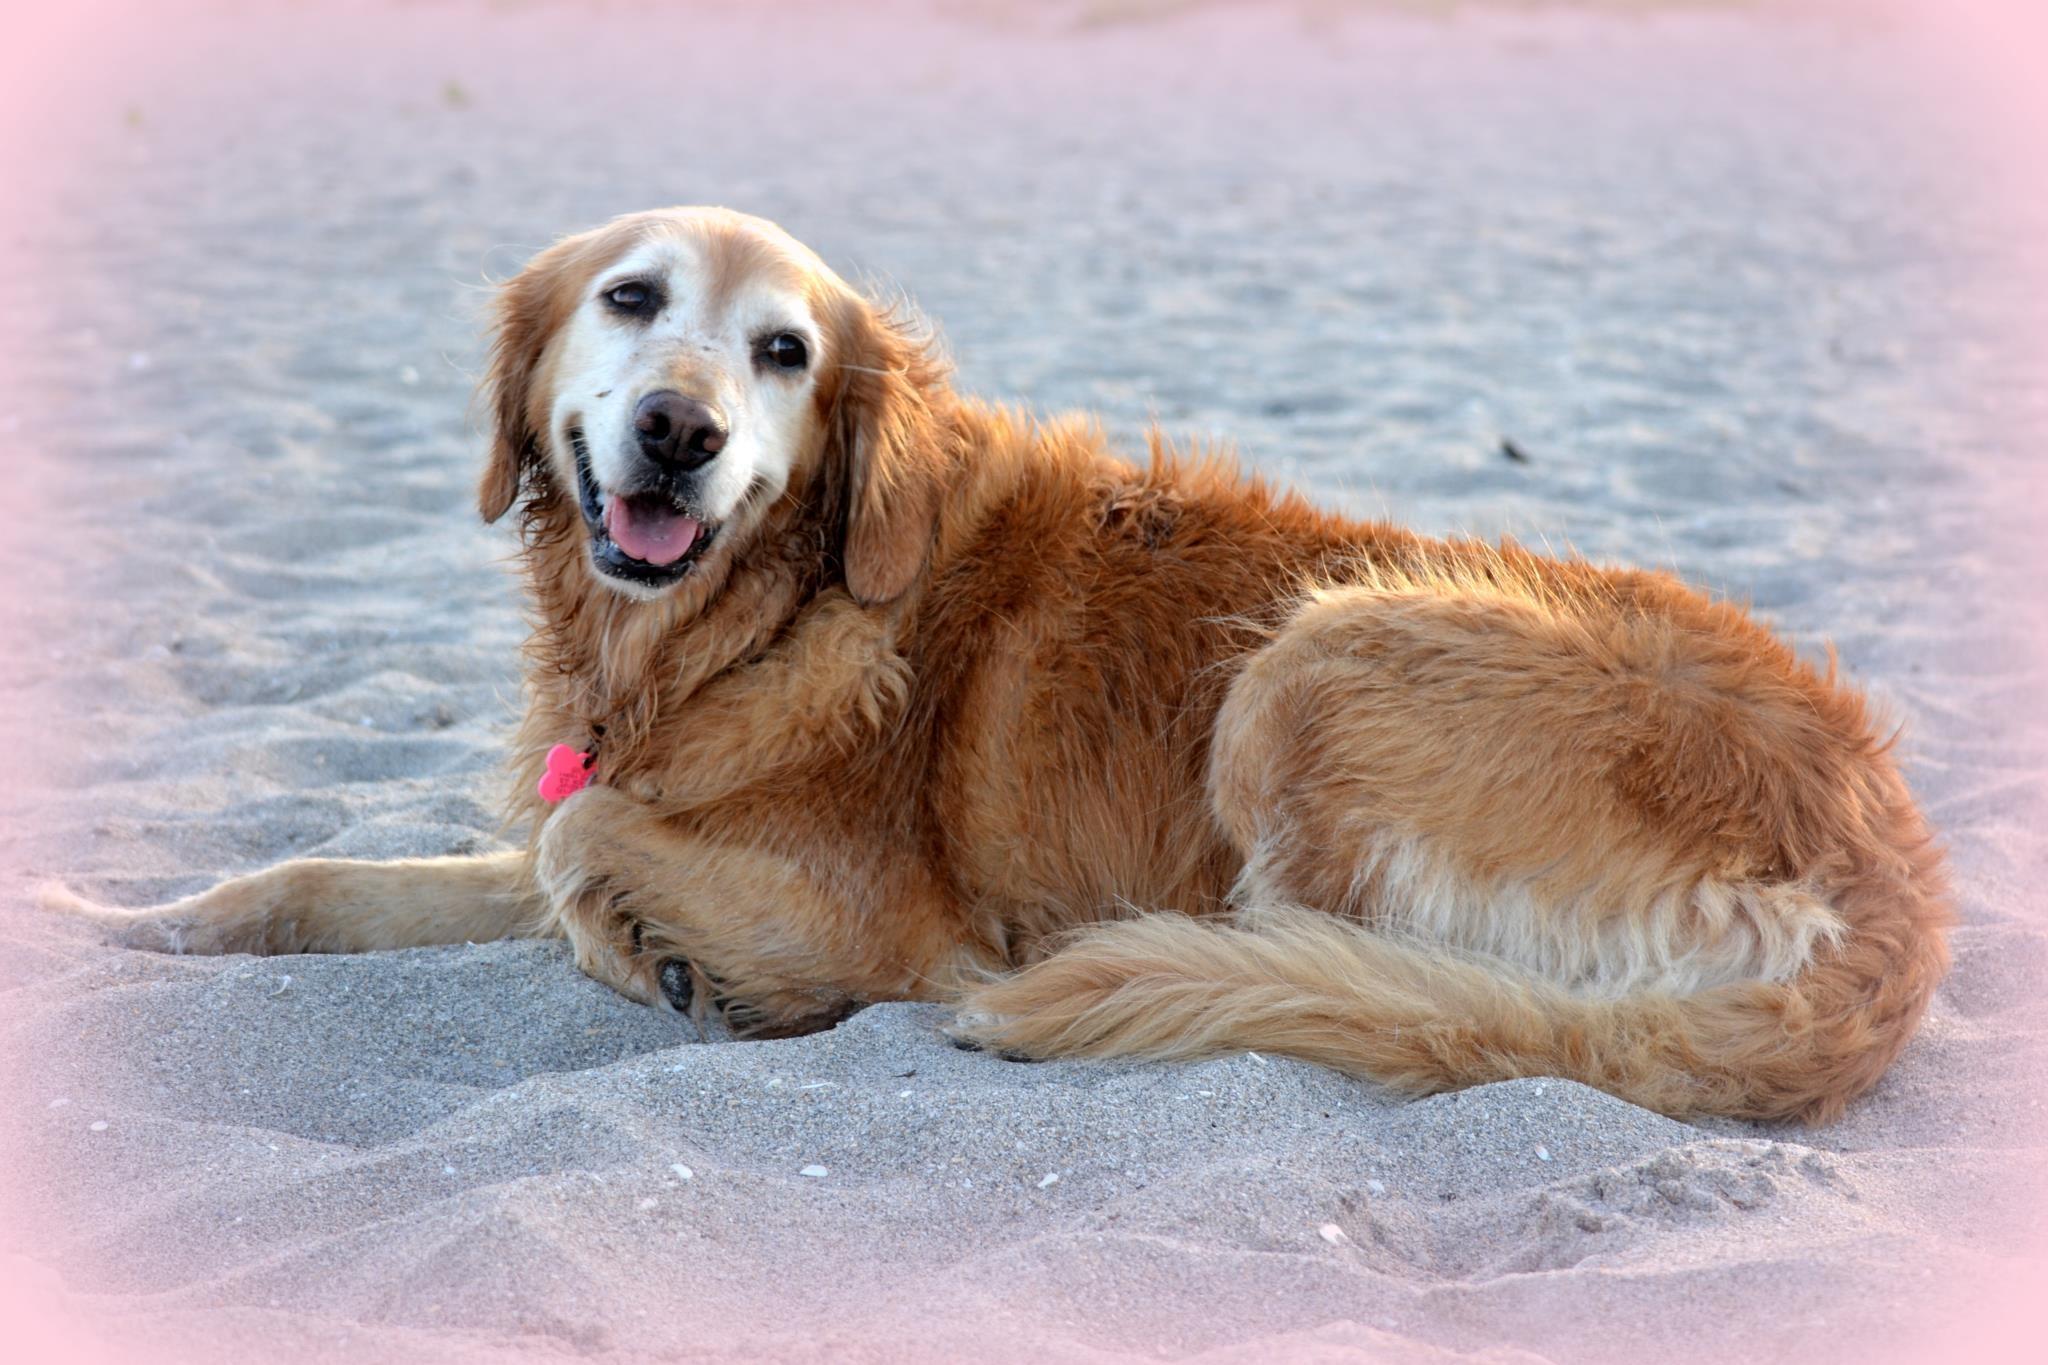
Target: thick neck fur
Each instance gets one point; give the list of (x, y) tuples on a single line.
[(600, 661)]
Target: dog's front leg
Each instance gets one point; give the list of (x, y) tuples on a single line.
[(331, 905), (676, 919)]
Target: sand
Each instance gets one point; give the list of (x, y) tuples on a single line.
[(1743, 306)]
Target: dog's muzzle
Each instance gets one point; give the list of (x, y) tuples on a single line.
[(650, 535)]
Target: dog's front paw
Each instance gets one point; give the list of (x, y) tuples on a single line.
[(151, 930), (678, 984)]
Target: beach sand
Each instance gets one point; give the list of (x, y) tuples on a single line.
[(1743, 308)]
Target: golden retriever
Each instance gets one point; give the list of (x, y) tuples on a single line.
[(885, 693)]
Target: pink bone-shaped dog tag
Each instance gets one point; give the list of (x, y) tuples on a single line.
[(568, 773)]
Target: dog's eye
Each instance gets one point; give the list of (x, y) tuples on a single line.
[(629, 297), (785, 351)]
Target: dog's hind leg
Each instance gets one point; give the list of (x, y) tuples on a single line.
[(327, 905), (1616, 834)]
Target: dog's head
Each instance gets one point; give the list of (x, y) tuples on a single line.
[(675, 373)]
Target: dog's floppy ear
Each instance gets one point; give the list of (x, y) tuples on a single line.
[(529, 307), (890, 434)]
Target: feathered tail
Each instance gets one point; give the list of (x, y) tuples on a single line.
[(1421, 1017)]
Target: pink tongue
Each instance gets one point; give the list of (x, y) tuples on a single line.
[(649, 530)]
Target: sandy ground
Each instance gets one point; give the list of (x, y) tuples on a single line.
[(1738, 302)]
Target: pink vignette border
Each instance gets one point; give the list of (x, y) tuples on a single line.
[(1981, 58)]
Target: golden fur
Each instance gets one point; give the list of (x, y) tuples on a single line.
[(1149, 759)]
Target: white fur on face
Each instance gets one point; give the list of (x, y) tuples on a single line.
[(607, 361)]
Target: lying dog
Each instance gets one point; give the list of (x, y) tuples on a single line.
[(875, 692)]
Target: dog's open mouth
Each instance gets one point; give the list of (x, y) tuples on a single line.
[(648, 537)]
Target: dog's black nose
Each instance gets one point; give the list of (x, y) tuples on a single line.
[(678, 431)]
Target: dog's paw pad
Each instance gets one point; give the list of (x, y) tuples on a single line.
[(678, 987)]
